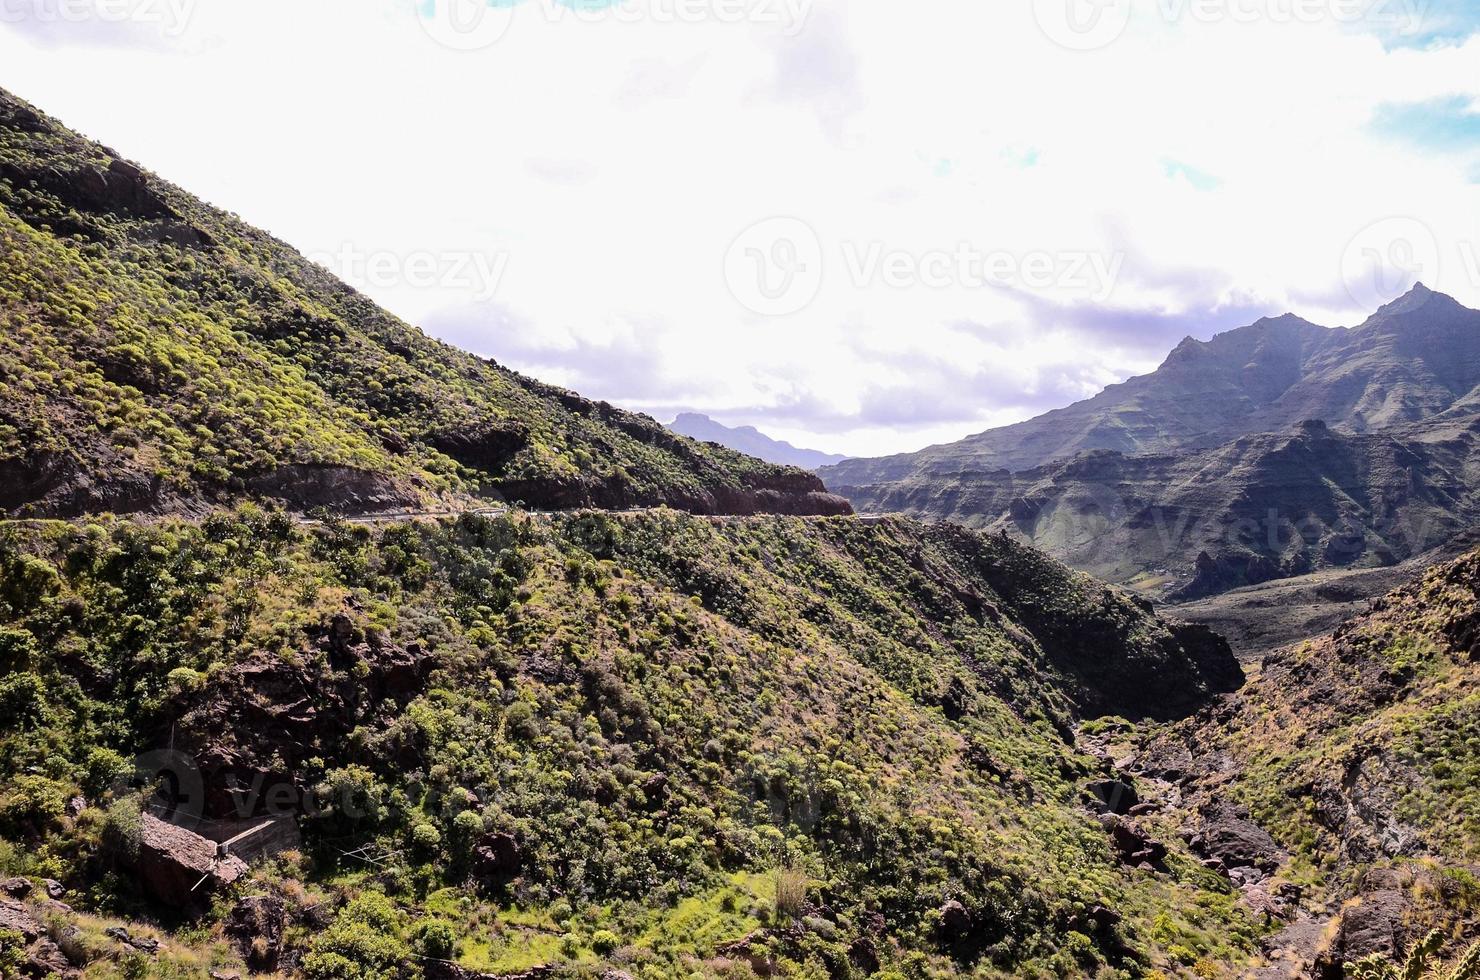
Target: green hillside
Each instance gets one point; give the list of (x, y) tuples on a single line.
[(652, 712), (155, 351)]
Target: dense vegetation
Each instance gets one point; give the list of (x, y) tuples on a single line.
[(154, 350), (816, 734)]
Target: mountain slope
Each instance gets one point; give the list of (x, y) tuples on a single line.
[(1413, 359), (588, 742), (156, 352), (750, 441), (1348, 448)]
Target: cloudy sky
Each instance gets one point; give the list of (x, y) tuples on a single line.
[(863, 227)]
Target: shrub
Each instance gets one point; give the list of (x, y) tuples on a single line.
[(435, 938), (104, 769), (791, 893), (364, 943), (426, 838), (22, 701), (33, 804)]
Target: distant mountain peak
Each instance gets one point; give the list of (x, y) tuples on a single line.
[(1410, 302)]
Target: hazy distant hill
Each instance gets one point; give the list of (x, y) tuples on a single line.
[(751, 441)]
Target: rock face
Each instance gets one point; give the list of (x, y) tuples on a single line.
[(1235, 841), (342, 489), (179, 867)]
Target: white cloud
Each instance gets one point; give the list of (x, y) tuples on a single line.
[(609, 163)]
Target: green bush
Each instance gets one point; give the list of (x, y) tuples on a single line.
[(435, 938)]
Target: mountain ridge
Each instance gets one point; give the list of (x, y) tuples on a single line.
[(1366, 438), (1258, 377)]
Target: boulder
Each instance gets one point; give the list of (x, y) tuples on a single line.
[(46, 959), (1112, 796), (1133, 844), (955, 921), (16, 887), (496, 857), (1234, 840), (178, 867)]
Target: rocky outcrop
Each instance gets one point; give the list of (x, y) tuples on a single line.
[(40, 956), (1374, 922), (497, 858), (340, 489), (484, 446), (1133, 844), (252, 729), (1112, 796)]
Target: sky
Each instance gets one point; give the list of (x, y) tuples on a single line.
[(861, 227)]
